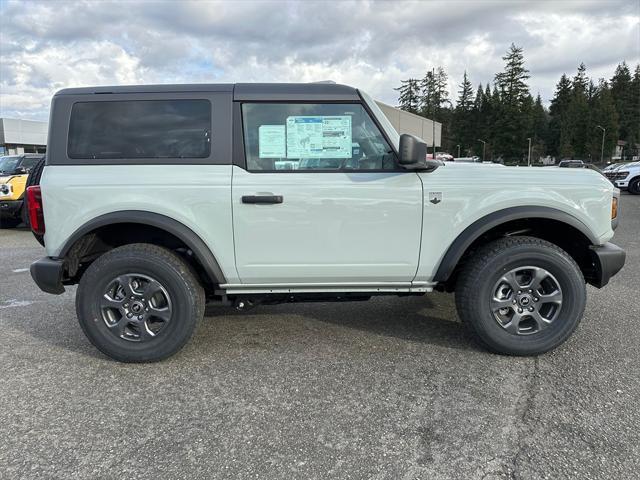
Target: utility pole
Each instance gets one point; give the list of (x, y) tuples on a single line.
[(529, 155), (458, 150), (604, 130), (484, 144), (433, 117)]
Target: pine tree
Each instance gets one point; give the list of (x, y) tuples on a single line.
[(622, 92), (558, 141), (409, 95), (513, 107), (463, 117), (578, 114), (603, 114), (511, 82), (539, 129)]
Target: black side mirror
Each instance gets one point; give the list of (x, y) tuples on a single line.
[(413, 154), (21, 170)]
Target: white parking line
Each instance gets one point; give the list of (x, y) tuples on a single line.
[(15, 303), (20, 270)]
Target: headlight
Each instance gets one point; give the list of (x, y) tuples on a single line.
[(5, 189), (614, 207)]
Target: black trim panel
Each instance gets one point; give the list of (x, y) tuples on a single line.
[(483, 225), (608, 260), (47, 273), (184, 233)]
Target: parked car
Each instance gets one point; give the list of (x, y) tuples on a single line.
[(234, 216), (13, 176), (571, 164), (625, 176)]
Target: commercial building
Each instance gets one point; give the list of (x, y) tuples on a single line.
[(406, 122), (22, 136)]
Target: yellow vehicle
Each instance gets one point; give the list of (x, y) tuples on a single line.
[(14, 170)]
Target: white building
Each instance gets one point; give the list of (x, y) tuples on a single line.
[(406, 122), (22, 136)]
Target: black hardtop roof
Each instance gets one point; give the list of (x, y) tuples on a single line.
[(241, 91)]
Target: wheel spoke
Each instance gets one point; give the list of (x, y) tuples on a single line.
[(144, 332), (163, 314), (514, 325), (497, 304), (108, 302), (119, 327), (512, 280), (152, 288), (125, 283), (538, 276), (541, 322), (553, 297)]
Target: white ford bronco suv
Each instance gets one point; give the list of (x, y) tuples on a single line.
[(160, 199)]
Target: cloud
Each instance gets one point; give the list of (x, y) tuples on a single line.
[(372, 45)]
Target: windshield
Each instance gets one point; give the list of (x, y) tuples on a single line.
[(9, 163)]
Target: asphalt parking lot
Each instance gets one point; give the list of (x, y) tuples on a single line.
[(391, 388)]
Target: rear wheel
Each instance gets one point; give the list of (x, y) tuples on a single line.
[(139, 303), (521, 295), (634, 186)]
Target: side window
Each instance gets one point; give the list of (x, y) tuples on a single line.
[(306, 136), (29, 162), (140, 129)]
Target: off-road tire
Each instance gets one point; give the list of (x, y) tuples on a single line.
[(634, 186), (474, 294), (175, 276)]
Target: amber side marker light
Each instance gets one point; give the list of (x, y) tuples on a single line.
[(614, 207)]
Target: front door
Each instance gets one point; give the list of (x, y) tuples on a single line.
[(321, 200)]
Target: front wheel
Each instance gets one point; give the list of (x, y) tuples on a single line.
[(521, 295), (634, 186), (139, 303)]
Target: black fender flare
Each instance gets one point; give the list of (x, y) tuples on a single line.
[(486, 223), (199, 248)]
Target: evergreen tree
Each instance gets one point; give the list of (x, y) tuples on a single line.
[(511, 82), (463, 117), (622, 92), (514, 105), (558, 140), (603, 114), (578, 115), (409, 95), (539, 129)]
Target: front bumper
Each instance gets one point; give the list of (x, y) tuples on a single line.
[(608, 259), (47, 273), (10, 208)]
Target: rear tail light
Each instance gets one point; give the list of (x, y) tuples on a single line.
[(34, 205)]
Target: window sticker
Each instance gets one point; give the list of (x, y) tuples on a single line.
[(271, 141), (319, 137)]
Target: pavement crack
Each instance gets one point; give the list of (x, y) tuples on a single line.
[(524, 430)]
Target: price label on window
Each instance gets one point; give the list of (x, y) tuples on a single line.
[(319, 136)]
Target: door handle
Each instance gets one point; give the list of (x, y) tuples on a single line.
[(263, 199)]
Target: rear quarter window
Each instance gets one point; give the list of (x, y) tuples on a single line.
[(140, 129)]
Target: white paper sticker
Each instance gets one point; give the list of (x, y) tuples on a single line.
[(271, 141), (319, 136)]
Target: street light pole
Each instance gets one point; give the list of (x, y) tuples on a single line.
[(604, 130), (458, 150), (529, 155), (484, 144)]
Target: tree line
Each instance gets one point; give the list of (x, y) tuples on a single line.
[(505, 115)]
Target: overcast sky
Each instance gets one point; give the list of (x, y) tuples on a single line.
[(54, 44)]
